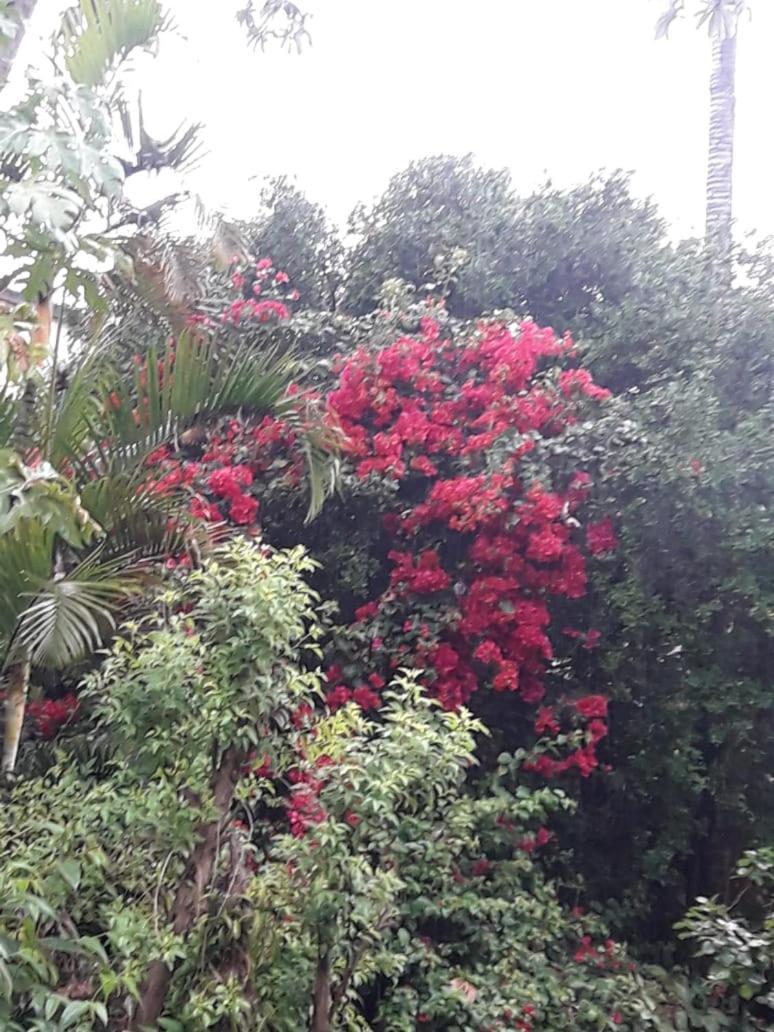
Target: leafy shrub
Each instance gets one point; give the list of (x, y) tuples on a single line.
[(224, 855)]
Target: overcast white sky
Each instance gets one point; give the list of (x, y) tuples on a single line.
[(544, 87)]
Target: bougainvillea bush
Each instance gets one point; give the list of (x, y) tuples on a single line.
[(460, 543)]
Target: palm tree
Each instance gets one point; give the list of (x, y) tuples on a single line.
[(78, 523), (722, 19)]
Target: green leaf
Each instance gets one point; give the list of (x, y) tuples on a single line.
[(70, 871), (100, 33)]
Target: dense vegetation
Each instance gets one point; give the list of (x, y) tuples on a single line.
[(434, 573)]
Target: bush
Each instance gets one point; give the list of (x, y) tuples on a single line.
[(226, 855)]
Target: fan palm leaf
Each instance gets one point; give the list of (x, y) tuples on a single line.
[(69, 616), (26, 562), (98, 33), (138, 522)]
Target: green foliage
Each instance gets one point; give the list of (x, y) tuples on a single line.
[(96, 34), (683, 459), (96, 847), (447, 227), (60, 173), (739, 952), (402, 899), (438, 211), (295, 233)]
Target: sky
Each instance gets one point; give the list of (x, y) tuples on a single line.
[(546, 88)]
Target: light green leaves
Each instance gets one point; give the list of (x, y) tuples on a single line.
[(98, 33), (39, 493)]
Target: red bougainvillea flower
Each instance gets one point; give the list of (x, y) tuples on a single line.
[(591, 706), (243, 509), (49, 716), (600, 537)]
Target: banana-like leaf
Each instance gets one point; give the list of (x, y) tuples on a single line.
[(99, 33), (70, 616)]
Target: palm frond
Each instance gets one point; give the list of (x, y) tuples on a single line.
[(167, 274), (70, 616), (189, 380), (139, 524), (76, 408), (320, 446), (8, 417), (23, 433), (26, 562), (99, 33), (672, 12), (181, 150)]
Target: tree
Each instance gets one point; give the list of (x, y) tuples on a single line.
[(276, 20), (295, 233), (722, 20), (442, 225)]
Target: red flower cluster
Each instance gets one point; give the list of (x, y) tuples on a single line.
[(479, 542), (600, 537), (604, 955), (50, 715), (257, 280), (365, 695), (304, 808), (222, 484)]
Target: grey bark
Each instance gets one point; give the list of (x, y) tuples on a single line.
[(720, 161)]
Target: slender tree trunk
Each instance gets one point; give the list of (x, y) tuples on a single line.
[(720, 163), (17, 688), (321, 1014), (192, 890), (21, 10)]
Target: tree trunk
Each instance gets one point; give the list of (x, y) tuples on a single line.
[(720, 163), (21, 11), (18, 683), (192, 890), (321, 1015)]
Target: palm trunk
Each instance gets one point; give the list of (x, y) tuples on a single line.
[(18, 683), (22, 12), (720, 164)]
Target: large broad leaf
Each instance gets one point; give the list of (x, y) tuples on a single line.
[(99, 33), (39, 494), (70, 616)]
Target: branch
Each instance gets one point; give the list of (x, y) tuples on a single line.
[(277, 20)]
